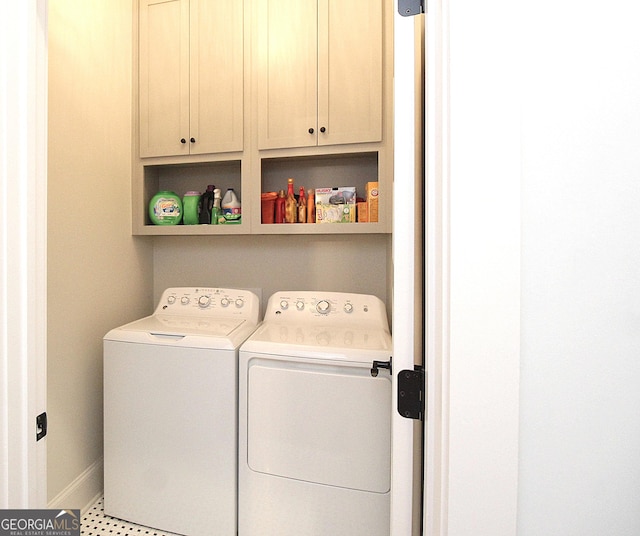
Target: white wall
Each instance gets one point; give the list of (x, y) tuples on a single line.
[(99, 276), (579, 420), (338, 263)]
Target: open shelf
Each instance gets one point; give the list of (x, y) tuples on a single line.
[(321, 171), (182, 178)]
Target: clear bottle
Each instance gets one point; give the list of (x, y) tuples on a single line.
[(290, 205), (302, 207), (311, 207), (280, 202)]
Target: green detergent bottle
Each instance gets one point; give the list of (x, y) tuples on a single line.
[(190, 205)]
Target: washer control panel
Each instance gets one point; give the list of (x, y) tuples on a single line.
[(326, 308), (209, 302)]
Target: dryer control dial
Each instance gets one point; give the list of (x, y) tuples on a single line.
[(204, 301), (323, 307)]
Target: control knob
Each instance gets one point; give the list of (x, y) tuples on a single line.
[(323, 307), (184, 300), (300, 305), (284, 304), (204, 301), (348, 308), (239, 302), (224, 302)]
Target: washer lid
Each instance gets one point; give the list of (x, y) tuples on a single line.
[(330, 342), (182, 325)]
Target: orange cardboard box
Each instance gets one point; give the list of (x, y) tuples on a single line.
[(371, 189), (363, 213)]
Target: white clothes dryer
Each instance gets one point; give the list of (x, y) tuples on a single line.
[(315, 418), (170, 412)]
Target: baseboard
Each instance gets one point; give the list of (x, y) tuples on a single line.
[(83, 491)]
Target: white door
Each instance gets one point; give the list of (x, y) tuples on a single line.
[(472, 271), (23, 33)]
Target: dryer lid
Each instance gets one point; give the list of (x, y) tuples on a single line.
[(328, 342)]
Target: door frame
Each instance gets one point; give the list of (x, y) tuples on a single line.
[(23, 285), (407, 270)]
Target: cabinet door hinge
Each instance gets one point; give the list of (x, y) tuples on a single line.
[(41, 426), (411, 393), (409, 8)]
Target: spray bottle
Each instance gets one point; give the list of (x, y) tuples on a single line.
[(216, 211)]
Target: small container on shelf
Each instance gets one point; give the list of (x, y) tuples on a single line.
[(231, 207), (290, 204), (165, 208), (280, 207), (191, 207), (336, 205), (302, 206), (311, 207), (216, 209), (371, 189), (206, 205), (268, 206)]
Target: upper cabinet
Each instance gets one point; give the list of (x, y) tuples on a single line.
[(245, 94), (319, 72), (190, 77)]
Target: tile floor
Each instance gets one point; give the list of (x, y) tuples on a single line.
[(96, 523)]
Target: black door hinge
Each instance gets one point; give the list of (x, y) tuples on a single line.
[(409, 8), (41, 426), (411, 393)]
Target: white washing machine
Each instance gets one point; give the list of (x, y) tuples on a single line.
[(315, 418), (170, 412)]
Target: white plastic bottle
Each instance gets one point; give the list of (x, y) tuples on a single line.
[(231, 209)]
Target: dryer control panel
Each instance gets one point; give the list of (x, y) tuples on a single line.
[(335, 308), (209, 302)]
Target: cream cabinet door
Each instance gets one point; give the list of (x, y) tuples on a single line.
[(190, 77), (287, 68), (216, 76), (163, 72), (350, 71), (319, 72)]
